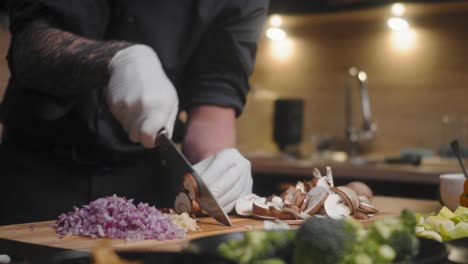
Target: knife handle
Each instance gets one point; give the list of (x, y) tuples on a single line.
[(162, 132)]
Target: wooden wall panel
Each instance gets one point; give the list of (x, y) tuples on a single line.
[(410, 90)]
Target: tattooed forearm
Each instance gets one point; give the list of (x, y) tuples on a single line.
[(58, 62)]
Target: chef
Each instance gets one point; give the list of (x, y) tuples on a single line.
[(93, 81)]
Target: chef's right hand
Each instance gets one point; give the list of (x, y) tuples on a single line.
[(140, 95)]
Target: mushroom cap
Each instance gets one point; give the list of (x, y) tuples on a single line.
[(361, 189)]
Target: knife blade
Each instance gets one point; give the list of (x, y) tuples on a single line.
[(178, 165)]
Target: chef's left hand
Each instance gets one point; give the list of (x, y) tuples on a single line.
[(227, 175)]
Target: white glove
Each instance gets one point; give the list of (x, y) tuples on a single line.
[(228, 176), (140, 95)]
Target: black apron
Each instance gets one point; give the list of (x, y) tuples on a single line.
[(42, 183)]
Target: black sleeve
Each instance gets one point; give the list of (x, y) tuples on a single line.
[(87, 18), (224, 60)]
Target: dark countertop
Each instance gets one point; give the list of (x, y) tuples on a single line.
[(426, 173), (273, 172)]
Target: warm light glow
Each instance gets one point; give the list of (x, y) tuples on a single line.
[(353, 71), (282, 50), (276, 21), (362, 76), (398, 24), (404, 40), (398, 9), (276, 34)]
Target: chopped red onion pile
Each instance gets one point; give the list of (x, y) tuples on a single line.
[(117, 217)]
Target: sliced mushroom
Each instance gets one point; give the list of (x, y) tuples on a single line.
[(304, 216), (367, 208), (351, 194), (318, 195), (277, 201), (297, 214), (360, 215), (270, 198), (330, 177), (335, 208), (293, 207), (324, 182), (287, 192), (191, 186), (361, 189), (300, 186), (317, 173), (345, 198), (294, 222), (261, 217), (290, 195), (196, 210), (364, 199), (261, 209), (298, 199), (307, 186), (183, 204), (278, 213), (313, 182), (305, 202), (321, 210), (244, 204)]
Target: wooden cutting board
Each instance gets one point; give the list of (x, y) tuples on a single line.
[(42, 233)]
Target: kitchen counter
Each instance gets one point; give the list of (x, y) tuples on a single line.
[(42, 233), (426, 173), (385, 179)]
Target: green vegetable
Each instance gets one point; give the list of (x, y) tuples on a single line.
[(445, 225), (460, 230), (403, 240), (447, 213), (430, 235), (398, 233), (347, 242), (405, 243), (258, 245), (462, 213), (269, 261), (324, 239)]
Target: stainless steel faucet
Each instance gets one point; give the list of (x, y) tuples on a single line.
[(358, 140)]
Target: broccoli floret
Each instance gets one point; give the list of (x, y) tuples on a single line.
[(398, 233), (257, 245), (323, 240), (403, 239), (269, 261), (408, 219), (326, 240), (233, 250), (405, 243)]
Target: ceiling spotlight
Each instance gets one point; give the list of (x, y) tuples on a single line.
[(398, 9), (362, 76), (276, 20), (398, 24), (276, 34)]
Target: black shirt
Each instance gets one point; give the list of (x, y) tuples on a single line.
[(207, 48)]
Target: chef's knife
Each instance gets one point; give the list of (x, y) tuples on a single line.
[(178, 166)]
